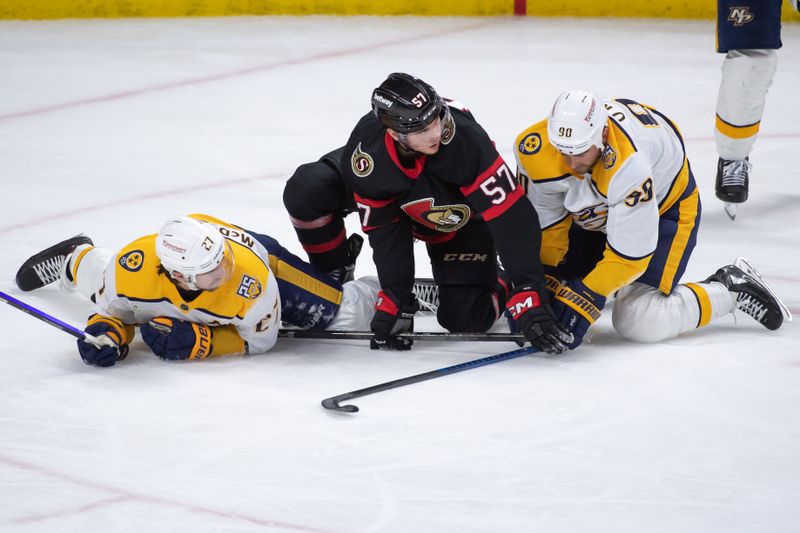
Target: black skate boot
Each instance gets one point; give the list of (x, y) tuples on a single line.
[(346, 273), (45, 267), (753, 296), (733, 183)]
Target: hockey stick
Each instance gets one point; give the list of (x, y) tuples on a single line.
[(417, 335), (334, 404), (53, 321)]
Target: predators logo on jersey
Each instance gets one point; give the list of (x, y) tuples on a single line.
[(445, 218), (592, 218), (609, 157), (249, 288), (132, 261), (531, 144)]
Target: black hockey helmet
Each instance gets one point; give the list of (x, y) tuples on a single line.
[(406, 104)]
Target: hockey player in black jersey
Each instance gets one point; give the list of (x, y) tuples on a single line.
[(422, 168)]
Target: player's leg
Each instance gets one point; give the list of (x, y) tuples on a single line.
[(317, 200), (310, 298), (75, 262), (656, 307), (471, 295), (749, 34), (357, 306)]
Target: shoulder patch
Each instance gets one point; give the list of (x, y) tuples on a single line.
[(249, 288), (361, 162), (531, 144), (609, 157), (448, 129), (132, 261)]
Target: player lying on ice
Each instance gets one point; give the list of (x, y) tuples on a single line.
[(620, 210), (199, 288)]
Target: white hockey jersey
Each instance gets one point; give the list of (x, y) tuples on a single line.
[(641, 173)]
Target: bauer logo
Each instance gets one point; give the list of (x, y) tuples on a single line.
[(249, 288), (132, 261), (531, 144), (361, 162)]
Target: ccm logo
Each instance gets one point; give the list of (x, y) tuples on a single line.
[(466, 257)]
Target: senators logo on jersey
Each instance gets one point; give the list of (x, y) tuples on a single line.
[(132, 261), (446, 218), (448, 129), (361, 162)]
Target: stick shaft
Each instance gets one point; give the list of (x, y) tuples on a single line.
[(417, 336), (333, 402)]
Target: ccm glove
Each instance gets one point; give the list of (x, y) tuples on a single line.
[(577, 307), (113, 348), (536, 321), (390, 318), (173, 339)]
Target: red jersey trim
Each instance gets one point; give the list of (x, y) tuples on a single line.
[(466, 190), (372, 203), (496, 211), (419, 162), (325, 246)]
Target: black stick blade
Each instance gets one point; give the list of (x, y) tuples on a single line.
[(333, 405)]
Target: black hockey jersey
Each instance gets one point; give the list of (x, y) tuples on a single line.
[(466, 181)]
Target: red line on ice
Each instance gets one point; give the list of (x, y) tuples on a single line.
[(241, 72), (124, 495)]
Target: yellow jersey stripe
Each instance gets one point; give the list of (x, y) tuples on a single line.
[(555, 241), (737, 132), (703, 301), (686, 222), (77, 261), (297, 277)]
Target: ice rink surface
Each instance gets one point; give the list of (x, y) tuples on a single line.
[(109, 127)]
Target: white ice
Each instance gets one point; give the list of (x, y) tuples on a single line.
[(110, 127)]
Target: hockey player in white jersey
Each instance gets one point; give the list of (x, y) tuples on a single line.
[(749, 34), (199, 288), (620, 210)]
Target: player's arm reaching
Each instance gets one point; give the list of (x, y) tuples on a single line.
[(514, 225), (632, 236), (391, 240)]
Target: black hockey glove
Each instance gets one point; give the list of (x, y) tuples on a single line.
[(390, 318), (535, 320)]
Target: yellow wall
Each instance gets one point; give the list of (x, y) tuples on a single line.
[(53, 9)]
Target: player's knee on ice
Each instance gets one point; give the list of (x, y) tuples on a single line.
[(644, 314), (467, 308)]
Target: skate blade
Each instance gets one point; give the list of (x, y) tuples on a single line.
[(750, 270), (730, 210)]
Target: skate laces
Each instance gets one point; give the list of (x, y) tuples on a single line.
[(428, 295), (735, 172), (749, 304), (49, 270)]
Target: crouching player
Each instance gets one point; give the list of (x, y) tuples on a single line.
[(199, 288), (619, 211)]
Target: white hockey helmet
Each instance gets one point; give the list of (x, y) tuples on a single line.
[(576, 122), (191, 247)]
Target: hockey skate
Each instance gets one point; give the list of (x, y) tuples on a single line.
[(733, 183), (45, 267), (753, 296), (347, 272)]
